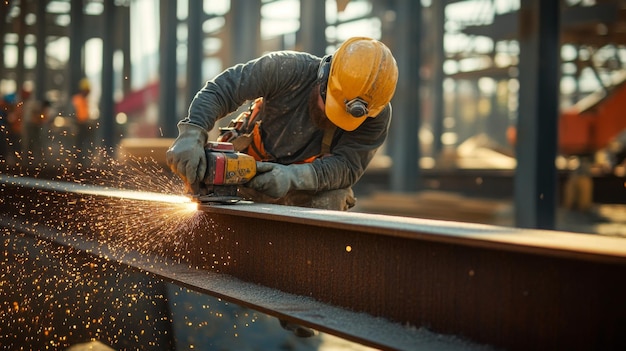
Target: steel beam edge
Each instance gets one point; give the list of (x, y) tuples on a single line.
[(551, 243)]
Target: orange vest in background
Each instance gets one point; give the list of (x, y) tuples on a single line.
[(81, 107)]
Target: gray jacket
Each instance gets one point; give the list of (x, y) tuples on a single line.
[(284, 79)]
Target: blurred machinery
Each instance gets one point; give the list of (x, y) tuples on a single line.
[(594, 124), (593, 132)]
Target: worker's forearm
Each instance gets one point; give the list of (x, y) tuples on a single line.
[(335, 173)]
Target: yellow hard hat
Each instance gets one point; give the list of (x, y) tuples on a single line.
[(84, 84), (362, 81)]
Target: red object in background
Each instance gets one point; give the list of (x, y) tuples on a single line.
[(137, 101), (593, 122), (575, 133)]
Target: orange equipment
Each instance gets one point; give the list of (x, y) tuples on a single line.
[(592, 123)]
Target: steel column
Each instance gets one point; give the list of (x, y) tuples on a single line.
[(107, 111), (438, 57), (123, 16), (312, 33), (405, 147), (535, 178), (167, 68), (20, 70), (77, 40), (41, 69), (245, 30), (5, 6), (195, 43)]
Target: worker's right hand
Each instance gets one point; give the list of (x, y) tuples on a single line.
[(186, 156)]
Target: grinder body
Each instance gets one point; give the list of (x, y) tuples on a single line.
[(226, 170)]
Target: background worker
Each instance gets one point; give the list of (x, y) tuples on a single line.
[(320, 122), (35, 117), (80, 103)]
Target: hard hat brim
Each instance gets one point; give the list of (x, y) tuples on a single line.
[(336, 113)]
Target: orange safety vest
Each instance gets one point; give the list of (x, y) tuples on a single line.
[(81, 107), (251, 143)]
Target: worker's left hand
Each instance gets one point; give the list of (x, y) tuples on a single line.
[(276, 180)]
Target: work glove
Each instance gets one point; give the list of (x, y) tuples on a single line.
[(276, 180), (186, 156)]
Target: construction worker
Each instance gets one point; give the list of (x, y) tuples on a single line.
[(80, 103), (36, 115), (319, 124)]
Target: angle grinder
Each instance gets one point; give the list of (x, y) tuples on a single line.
[(226, 170)]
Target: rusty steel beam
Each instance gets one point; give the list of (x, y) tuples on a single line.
[(505, 287), (60, 214), (350, 325)]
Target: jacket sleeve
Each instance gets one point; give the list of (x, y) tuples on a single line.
[(261, 77), (221, 95), (352, 153)]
